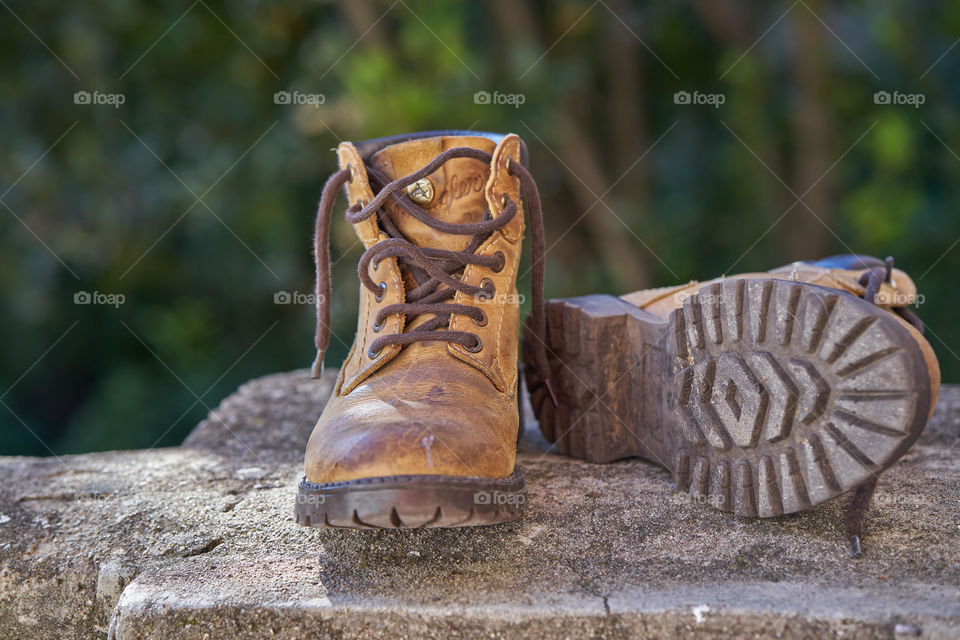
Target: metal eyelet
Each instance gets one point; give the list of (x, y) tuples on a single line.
[(503, 201), (383, 292), (378, 326), (503, 261), (483, 321), (487, 295), (477, 347), (373, 355)]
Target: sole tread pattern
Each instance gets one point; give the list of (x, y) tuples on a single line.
[(763, 366)]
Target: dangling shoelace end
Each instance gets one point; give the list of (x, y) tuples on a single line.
[(553, 396), (872, 279), (316, 369), (856, 513), (321, 253), (855, 551), (540, 365)]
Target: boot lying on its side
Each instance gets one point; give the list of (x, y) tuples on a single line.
[(763, 393)]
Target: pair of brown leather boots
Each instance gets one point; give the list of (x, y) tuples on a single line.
[(764, 393)]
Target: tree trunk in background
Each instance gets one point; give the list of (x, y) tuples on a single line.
[(623, 255), (627, 135), (726, 21), (804, 236), (362, 17), (583, 165), (737, 25), (628, 115)]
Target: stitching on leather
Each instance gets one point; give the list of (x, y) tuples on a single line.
[(499, 356), (470, 358), (368, 232), (509, 147), (348, 156), (514, 479), (391, 351), (667, 292), (503, 308), (496, 375), (371, 369)]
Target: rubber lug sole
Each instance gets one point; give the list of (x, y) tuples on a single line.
[(401, 502), (763, 397)]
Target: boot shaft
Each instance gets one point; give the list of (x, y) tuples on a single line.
[(434, 214)]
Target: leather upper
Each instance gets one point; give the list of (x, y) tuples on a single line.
[(433, 408)]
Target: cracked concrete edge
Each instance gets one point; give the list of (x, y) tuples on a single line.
[(71, 583), (147, 608)]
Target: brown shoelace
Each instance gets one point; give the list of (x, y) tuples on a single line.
[(872, 279), (436, 272)]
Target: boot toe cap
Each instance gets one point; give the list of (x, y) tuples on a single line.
[(371, 437)]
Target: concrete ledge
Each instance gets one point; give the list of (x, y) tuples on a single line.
[(199, 541)]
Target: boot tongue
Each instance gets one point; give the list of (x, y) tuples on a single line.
[(454, 193)]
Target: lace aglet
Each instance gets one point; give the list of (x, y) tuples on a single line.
[(316, 369), (553, 396), (855, 550)]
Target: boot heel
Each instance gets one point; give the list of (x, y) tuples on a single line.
[(598, 349)]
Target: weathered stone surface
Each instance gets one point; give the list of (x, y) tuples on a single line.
[(199, 541)]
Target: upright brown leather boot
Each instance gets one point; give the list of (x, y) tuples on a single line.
[(421, 429), (763, 393)]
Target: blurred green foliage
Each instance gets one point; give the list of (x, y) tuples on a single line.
[(195, 197)]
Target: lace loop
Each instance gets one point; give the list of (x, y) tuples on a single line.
[(875, 277)]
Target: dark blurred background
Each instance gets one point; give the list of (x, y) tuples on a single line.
[(147, 167)]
